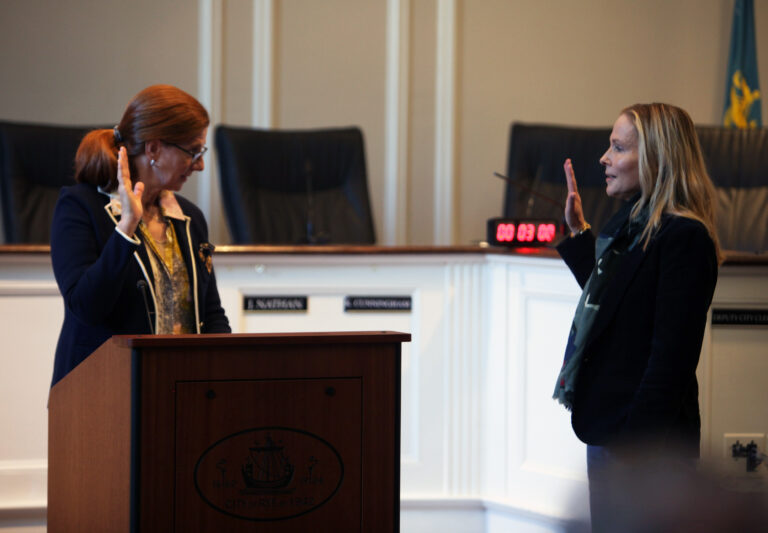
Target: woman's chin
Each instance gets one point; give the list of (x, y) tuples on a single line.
[(177, 185)]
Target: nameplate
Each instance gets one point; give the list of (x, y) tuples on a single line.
[(275, 303), (740, 317), (377, 303)]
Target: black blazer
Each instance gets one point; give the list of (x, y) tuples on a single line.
[(98, 272), (637, 381)]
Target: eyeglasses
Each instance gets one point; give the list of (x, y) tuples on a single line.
[(194, 155)]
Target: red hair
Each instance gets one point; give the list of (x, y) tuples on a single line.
[(159, 112)]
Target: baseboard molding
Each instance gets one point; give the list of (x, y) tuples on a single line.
[(477, 515), (461, 515), (32, 518), (23, 489)]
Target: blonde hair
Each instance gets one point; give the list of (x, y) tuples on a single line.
[(673, 177)]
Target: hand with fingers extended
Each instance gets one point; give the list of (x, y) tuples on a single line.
[(130, 195), (574, 215)]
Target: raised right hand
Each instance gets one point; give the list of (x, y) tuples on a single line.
[(130, 195), (574, 215)]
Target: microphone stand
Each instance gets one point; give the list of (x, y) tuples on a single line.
[(516, 183), (310, 236), (141, 285)]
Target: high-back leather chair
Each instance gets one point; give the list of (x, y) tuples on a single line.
[(295, 186), (535, 162), (36, 160), (737, 161)]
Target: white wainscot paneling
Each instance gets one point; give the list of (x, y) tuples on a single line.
[(734, 397), (533, 462), (31, 314), (434, 284)]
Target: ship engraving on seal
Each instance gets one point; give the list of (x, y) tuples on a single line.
[(268, 473), (267, 470)]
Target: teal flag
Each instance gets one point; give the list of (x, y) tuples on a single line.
[(742, 107)]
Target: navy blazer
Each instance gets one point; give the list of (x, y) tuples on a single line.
[(637, 381), (99, 275)]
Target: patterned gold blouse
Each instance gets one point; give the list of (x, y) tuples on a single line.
[(175, 311)]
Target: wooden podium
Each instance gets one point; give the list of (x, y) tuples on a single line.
[(264, 432)]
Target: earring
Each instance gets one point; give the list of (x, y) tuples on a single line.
[(152, 163)]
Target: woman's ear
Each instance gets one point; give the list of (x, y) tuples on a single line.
[(152, 149)]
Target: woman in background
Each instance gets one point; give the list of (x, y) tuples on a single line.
[(133, 258), (629, 375)]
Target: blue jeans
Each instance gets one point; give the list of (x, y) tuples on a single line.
[(627, 490), (601, 464)]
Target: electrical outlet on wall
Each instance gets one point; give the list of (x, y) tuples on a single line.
[(729, 439)]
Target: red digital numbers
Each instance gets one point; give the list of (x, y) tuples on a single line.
[(505, 232), (526, 232), (546, 233)]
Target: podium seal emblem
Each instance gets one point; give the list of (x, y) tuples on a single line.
[(268, 473)]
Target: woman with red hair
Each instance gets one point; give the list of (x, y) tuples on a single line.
[(131, 256)]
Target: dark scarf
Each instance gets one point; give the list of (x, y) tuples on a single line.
[(619, 236)]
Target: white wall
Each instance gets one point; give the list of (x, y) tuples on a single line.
[(462, 72), (579, 63)]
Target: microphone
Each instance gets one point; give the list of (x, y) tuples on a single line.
[(310, 236), (141, 286), (517, 183), (310, 229)]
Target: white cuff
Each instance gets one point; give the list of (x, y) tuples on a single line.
[(134, 239)]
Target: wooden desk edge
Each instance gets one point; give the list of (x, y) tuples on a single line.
[(732, 257)]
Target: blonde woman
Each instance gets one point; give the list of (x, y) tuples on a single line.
[(648, 278)]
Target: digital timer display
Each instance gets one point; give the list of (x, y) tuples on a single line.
[(521, 232)]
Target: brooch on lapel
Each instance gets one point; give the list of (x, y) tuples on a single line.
[(205, 253)]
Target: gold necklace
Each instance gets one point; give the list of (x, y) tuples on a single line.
[(162, 249)]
